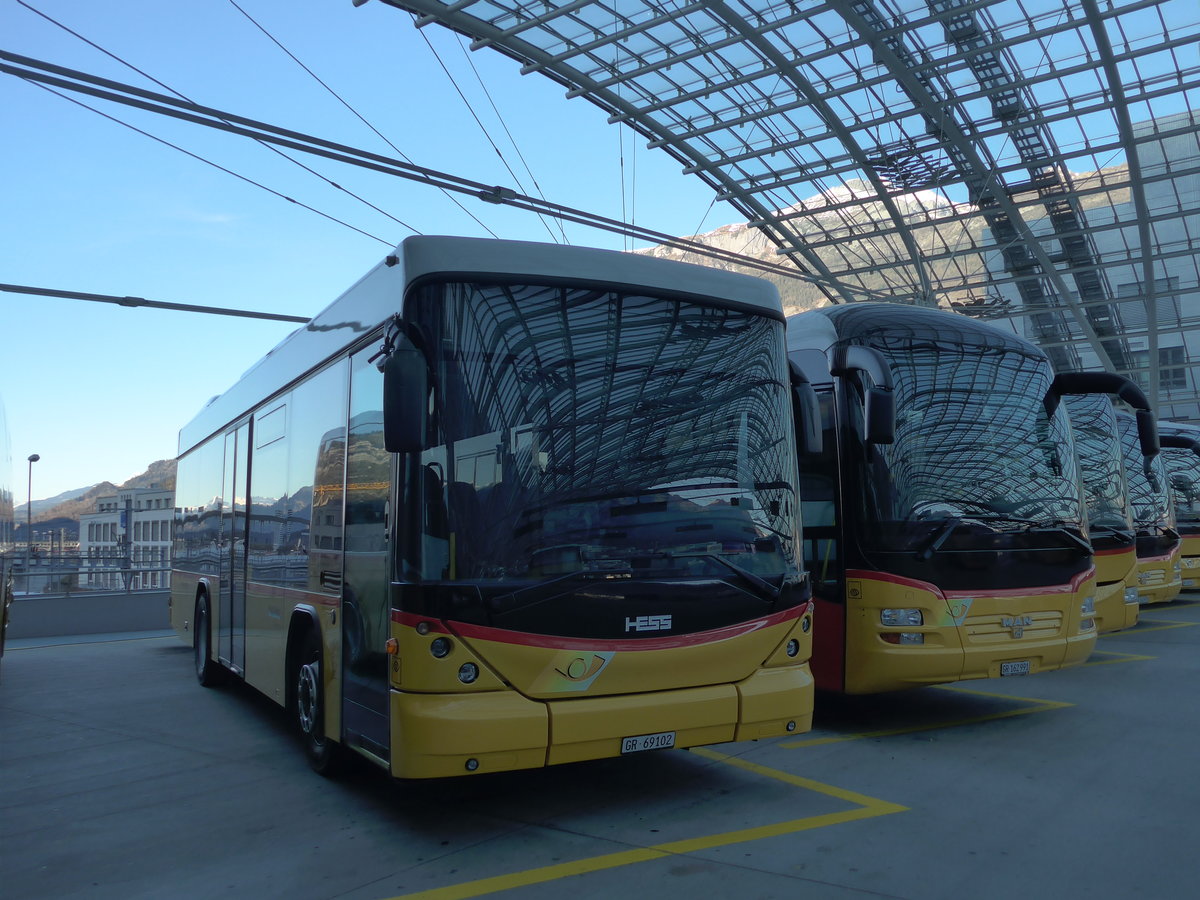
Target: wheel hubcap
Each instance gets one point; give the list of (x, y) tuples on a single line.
[(306, 697)]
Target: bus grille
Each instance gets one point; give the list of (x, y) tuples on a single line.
[(998, 628)]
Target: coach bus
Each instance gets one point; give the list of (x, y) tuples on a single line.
[(504, 505), (1110, 514), (1181, 458), (1158, 541), (943, 525)]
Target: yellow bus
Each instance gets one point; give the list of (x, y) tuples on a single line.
[(1110, 514), (1158, 542), (1181, 457), (944, 531), (505, 505)]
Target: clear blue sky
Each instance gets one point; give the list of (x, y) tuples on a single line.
[(86, 204)]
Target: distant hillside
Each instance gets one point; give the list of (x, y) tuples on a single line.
[(49, 503), (161, 474), (836, 232)]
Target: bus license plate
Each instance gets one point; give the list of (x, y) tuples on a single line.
[(1015, 668), (664, 740)]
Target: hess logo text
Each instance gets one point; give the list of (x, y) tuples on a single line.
[(648, 623)]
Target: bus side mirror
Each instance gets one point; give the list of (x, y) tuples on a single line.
[(880, 416), (806, 411), (1096, 383), (1147, 432), (405, 398), (880, 411)]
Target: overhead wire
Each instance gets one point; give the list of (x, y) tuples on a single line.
[(216, 166), (153, 304), (39, 71), (478, 122), (354, 111), (268, 146), (483, 86)]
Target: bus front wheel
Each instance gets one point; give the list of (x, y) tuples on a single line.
[(320, 751), (208, 672)]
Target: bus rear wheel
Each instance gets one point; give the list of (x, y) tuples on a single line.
[(320, 751), (208, 672)]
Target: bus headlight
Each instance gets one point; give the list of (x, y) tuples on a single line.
[(793, 647), (468, 672), (1131, 595), (896, 617), (1088, 607), (440, 647)]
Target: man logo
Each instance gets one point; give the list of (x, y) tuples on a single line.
[(648, 623), (1017, 624)]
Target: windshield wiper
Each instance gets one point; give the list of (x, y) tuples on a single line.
[(1123, 534), (1059, 528), (934, 544), (543, 590), (761, 585)]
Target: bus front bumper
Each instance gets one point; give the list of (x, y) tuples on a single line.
[(442, 735), (890, 668), (1113, 611)]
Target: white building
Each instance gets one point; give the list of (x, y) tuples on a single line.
[(126, 543), (1168, 166)]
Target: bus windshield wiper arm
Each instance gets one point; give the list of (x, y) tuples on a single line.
[(939, 537), (1123, 534), (541, 590), (1055, 528), (760, 584)]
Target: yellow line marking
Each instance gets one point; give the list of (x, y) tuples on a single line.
[(800, 781), (1039, 705), (1146, 625), (867, 808)]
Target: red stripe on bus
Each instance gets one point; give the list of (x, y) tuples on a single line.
[(1156, 559), (1068, 588), (557, 642)]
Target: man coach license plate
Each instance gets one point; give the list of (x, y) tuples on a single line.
[(664, 740), (1015, 668)]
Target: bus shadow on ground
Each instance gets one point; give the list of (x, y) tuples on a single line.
[(644, 791), (919, 709)]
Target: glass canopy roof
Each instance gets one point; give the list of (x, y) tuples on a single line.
[(1033, 162)]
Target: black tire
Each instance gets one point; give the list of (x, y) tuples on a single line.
[(308, 679), (208, 672)]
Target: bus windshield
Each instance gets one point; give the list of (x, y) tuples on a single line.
[(974, 447), (1183, 470), (1094, 424), (589, 431), (1148, 490)]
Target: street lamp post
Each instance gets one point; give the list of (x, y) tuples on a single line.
[(33, 457)]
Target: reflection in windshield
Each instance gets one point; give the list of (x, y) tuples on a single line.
[(973, 443), (1105, 490), (588, 431), (1183, 471), (1147, 480)]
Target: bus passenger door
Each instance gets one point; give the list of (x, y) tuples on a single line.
[(231, 646), (366, 607), (820, 493)]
